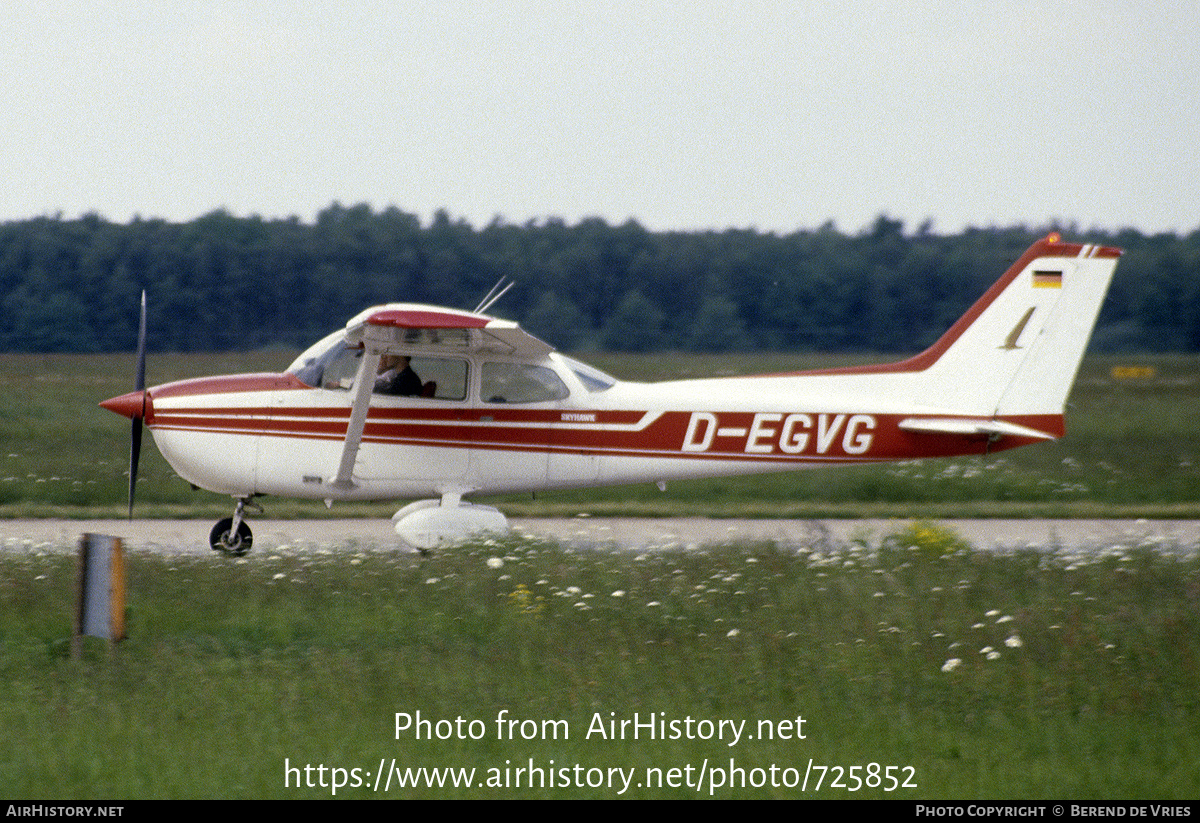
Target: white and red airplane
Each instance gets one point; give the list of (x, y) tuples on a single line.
[(494, 409)]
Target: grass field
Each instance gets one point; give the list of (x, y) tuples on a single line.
[(1131, 450), (975, 675)]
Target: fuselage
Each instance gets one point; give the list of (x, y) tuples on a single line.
[(560, 426)]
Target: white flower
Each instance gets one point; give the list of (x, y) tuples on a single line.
[(992, 613), (573, 590), (993, 655), (494, 562), (1006, 619), (986, 650), (732, 633), (1014, 642), (951, 664), (619, 593)]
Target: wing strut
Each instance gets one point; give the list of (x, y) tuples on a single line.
[(364, 384)]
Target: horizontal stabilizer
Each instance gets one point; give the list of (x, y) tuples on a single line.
[(994, 429)]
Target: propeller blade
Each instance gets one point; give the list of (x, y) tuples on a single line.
[(135, 432), (135, 451), (140, 383)]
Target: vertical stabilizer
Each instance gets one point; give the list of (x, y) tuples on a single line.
[(1018, 348), (1045, 375), (1015, 352)]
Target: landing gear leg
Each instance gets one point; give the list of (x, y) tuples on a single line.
[(232, 535)]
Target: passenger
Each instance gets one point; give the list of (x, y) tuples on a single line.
[(395, 376)]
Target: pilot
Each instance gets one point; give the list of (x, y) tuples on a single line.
[(395, 376)]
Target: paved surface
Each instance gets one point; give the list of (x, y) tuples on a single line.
[(191, 536)]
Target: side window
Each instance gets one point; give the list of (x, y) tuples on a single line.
[(519, 383), (441, 378), (430, 378)]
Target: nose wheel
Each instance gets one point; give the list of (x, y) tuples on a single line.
[(226, 539), (232, 535)]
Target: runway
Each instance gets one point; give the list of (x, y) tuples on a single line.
[(191, 536)]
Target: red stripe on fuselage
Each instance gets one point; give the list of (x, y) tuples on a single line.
[(228, 384), (768, 437)]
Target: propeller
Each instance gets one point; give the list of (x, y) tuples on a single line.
[(135, 431)]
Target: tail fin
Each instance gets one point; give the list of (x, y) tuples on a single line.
[(1015, 353), (1043, 381), (1017, 350)]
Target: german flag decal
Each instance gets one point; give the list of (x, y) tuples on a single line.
[(1047, 279)]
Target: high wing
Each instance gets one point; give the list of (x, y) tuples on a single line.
[(403, 326), (412, 324)]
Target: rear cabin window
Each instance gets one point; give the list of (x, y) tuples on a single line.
[(520, 383)]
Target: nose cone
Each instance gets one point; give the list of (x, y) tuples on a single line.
[(129, 405)]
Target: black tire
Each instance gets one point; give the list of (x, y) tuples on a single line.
[(236, 545)]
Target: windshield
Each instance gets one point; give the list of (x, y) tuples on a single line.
[(329, 364)]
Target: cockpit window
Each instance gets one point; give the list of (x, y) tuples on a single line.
[(442, 378), (520, 383), (329, 364)]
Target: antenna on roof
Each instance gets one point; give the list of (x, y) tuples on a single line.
[(493, 295)]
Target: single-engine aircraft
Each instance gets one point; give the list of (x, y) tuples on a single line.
[(489, 408)]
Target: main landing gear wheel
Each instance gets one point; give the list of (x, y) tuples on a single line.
[(224, 539)]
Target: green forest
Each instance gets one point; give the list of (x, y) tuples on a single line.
[(222, 282)]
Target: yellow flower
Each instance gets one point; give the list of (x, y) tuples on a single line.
[(524, 601)]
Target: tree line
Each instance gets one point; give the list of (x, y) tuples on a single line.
[(222, 282)]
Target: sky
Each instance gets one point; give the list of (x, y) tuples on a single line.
[(699, 115)]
